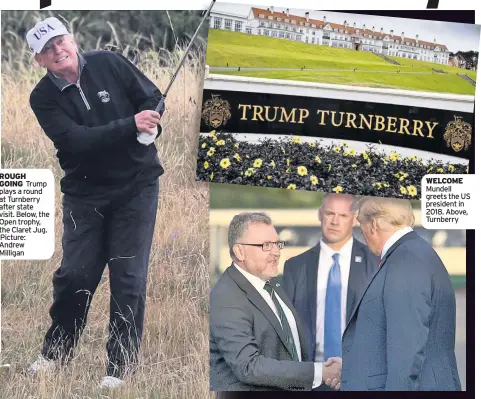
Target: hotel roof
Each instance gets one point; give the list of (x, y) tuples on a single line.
[(348, 29)]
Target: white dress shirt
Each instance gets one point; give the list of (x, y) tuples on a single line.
[(325, 263), (259, 284), (394, 238)]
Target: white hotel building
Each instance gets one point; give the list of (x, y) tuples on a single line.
[(284, 25)]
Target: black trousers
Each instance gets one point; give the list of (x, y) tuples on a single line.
[(117, 230)]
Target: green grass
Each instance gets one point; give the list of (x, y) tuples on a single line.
[(429, 65), (446, 83), (239, 49)]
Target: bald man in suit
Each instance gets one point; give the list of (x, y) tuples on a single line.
[(325, 282)]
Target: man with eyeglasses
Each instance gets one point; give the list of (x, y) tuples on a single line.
[(256, 338), (92, 106)]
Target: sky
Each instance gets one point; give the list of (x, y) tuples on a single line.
[(456, 36)]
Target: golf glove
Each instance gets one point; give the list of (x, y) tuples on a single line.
[(146, 138)]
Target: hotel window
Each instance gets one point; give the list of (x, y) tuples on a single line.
[(249, 31), (262, 24), (274, 33), (238, 26), (313, 25), (370, 36), (286, 20), (269, 17), (228, 24), (279, 19), (301, 31), (217, 23), (281, 35), (313, 33), (266, 32), (299, 37), (293, 22), (261, 15), (313, 40)]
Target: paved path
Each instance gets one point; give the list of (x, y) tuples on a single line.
[(251, 69)]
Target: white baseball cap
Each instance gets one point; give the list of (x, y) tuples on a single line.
[(43, 31)]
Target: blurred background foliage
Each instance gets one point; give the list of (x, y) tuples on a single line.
[(227, 196), (129, 32)]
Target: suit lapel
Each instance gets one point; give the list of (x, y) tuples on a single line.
[(258, 301), (356, 274), (406, 237), (300, 330), (312, 270)]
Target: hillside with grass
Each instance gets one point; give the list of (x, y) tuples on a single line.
[(327, 64)]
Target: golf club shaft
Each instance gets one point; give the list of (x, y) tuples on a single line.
[(161, 102)]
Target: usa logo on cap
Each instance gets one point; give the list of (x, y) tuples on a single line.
[(43, 31)]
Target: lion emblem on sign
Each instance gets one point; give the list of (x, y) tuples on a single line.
[(216, 112), (458, 134)]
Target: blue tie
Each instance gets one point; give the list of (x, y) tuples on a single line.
[(332, 312)]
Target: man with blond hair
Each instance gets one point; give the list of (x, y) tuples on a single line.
[(325, 281), (401, 335), (92, 107), (257, 341)]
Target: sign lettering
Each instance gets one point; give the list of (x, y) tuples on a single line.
[(437, 131)]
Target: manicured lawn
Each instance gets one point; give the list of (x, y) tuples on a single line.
[(243, 50)]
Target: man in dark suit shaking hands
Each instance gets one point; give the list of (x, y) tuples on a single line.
[(324, 282), (256, 338), (401, 334)]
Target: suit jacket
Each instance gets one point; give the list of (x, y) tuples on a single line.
[(401, 335), (300, 282), (248, 348)]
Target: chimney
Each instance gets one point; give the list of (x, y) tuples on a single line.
[(354, 25), (364, 26), (417, 37), (307, 16), (382, 31), (287, 12), (434, 41), (402, 36), (272, 9), (373, 29), (345, 24), (324, 19), (391, 32)]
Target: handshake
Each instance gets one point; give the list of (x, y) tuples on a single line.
[(331, 372), (147, 122)]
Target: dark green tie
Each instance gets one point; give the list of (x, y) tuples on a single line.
[(284, 323)]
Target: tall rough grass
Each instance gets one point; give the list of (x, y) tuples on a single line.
[(174, 358)]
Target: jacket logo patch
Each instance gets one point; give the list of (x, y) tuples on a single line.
[(104, 96)]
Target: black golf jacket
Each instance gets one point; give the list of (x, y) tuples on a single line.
[(92, 124)]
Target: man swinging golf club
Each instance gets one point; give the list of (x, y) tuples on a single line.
[(92, 106)]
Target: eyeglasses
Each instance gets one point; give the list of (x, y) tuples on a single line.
[(267, 246)]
